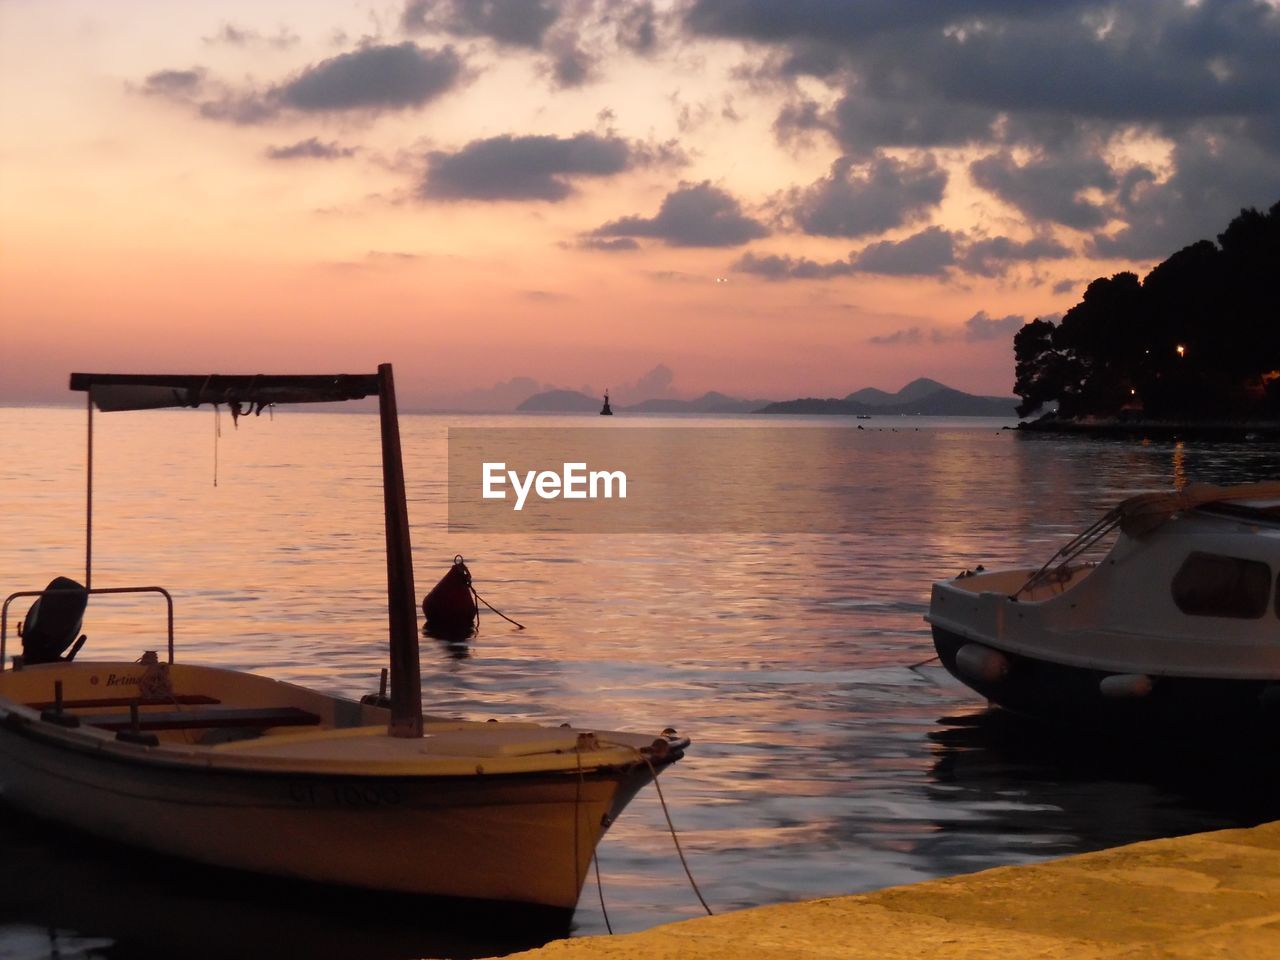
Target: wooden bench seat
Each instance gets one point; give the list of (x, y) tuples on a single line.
[(208, 717), (88, 702)]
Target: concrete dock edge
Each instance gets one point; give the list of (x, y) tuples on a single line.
[(1205, 895)]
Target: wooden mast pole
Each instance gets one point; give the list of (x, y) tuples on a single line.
[(88, 507), (402, 604)]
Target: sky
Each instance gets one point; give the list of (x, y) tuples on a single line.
[(770, 199)]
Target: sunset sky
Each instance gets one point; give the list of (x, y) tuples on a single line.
[(768, 198)]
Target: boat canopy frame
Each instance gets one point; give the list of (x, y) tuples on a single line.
[(251, 394), (1139, 515)]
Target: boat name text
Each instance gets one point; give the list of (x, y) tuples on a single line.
[(574, 482), (343, 794)]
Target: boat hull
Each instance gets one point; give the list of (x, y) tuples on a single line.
[(1073, 696), (524, 838)]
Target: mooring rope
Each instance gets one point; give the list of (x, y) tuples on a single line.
[(595, 860), (458, 561), (671, 827), (494, 609), (577, 821), (925, 662), (675, 839)]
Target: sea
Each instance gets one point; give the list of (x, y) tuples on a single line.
[(830, 755)]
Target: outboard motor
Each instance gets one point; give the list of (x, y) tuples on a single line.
[(53, 623)]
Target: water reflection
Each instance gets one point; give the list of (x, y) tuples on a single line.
[(455, 644), (1044, 791), (66, 895), (821, 765)]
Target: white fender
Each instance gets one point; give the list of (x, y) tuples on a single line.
[(1125, 686), (982, 663)]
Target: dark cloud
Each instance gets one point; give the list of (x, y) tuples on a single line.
[(1065, 286), (311, 149), (244, 109), (209, 98), (370, 79), (929, 253), (174, 83), (861, 122), (768, 21), (859, 199), (797, 119), (1141, 61), (1217, 172), (374, 78), (526, 168), (1050, 88), (908, 335), (1136, 61), (233, 36), (675, 276), (572, 37), (775, 267), (667, 153), (926, 254), (693, 215), (519, 23), (612, 246), (636, 26), (416, 17), (993, 256), (570, 65), (1048, 187), (981, 326)]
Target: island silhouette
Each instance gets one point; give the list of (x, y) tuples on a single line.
[(921, 396)]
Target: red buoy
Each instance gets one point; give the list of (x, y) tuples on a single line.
[(450, 607)]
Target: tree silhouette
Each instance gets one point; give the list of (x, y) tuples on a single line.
[(1198, 337)]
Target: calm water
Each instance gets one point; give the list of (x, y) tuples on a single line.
[(821, 763)]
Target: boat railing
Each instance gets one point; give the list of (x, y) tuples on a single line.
[(1058, 567), (4, 611)]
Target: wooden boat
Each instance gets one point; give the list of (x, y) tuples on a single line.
[(228, 768), (1172, 633)]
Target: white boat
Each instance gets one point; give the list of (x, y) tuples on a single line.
[(1175, 631), (228, 768)]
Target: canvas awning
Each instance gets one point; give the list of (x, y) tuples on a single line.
[(1143, 513), (123, 391)]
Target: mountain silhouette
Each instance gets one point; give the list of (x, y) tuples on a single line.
[(574, 401), (920, 397)]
